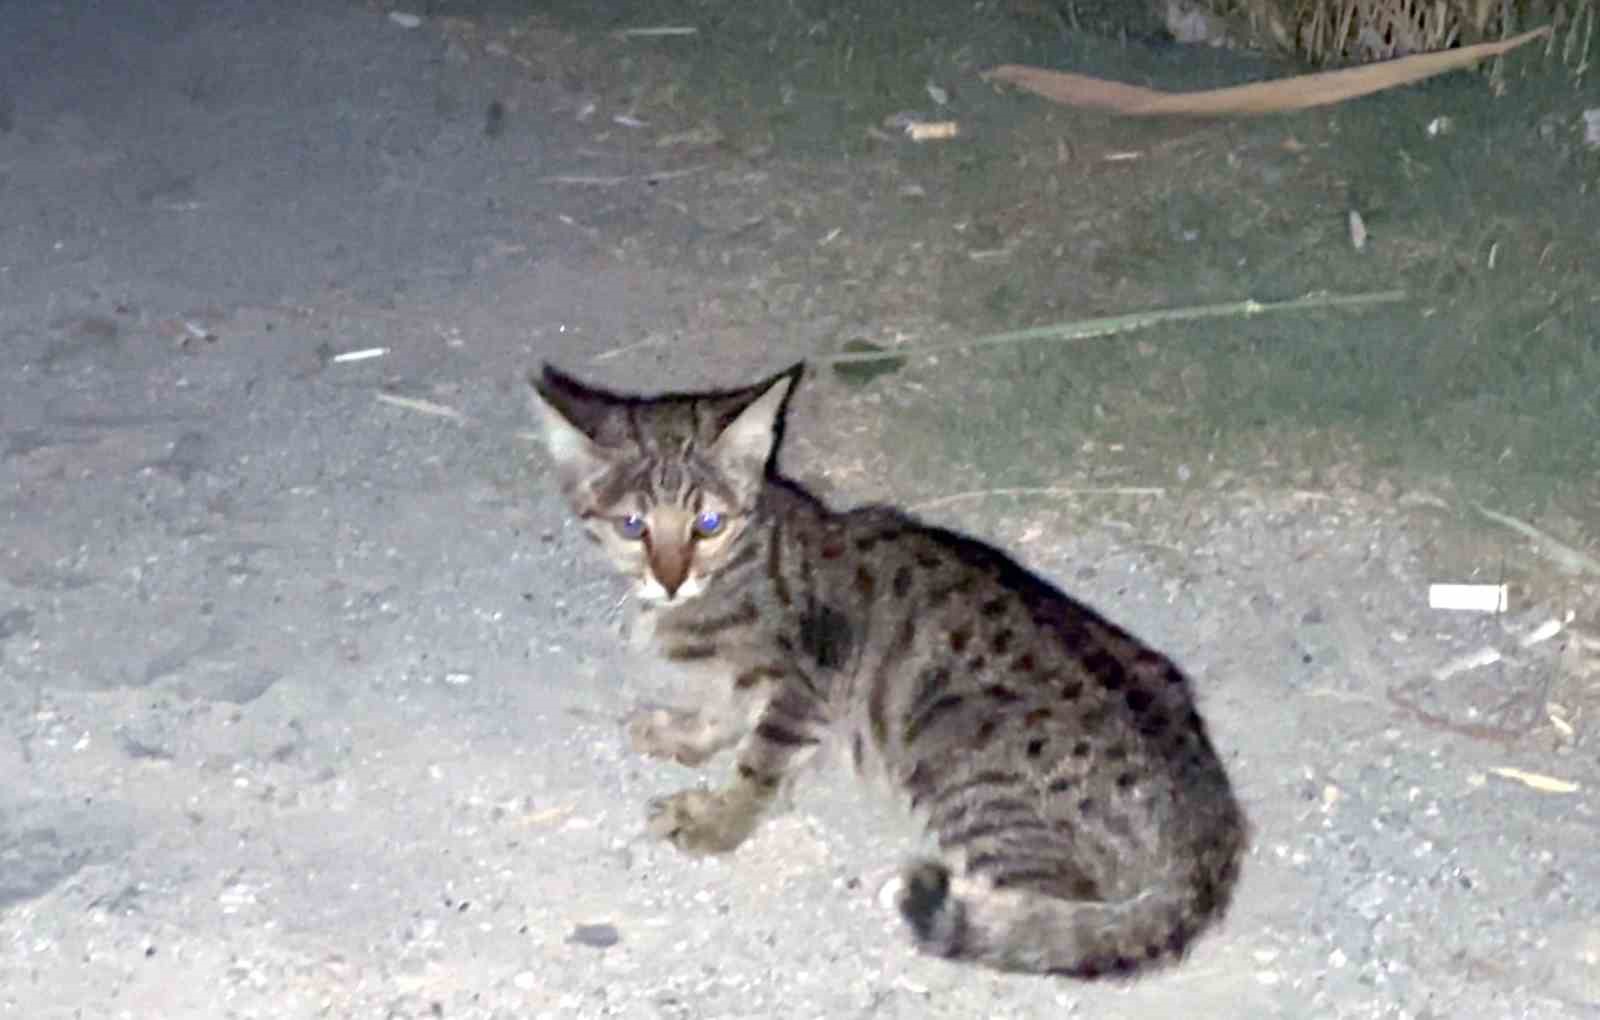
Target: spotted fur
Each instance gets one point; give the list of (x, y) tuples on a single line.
[(1085, 824)]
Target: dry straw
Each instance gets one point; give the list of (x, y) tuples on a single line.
[(1333, 32)]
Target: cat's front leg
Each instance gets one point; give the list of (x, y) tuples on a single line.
[(716, 821), (686, 736)]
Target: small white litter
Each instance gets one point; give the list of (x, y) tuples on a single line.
[(1468, 598), (1358, 230), (364, 354)]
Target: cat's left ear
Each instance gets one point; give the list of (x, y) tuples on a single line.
[(746, 444)]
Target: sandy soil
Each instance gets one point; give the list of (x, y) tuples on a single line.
[(309, 693)]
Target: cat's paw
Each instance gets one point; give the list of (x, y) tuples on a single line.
[(671, 734), (701, 821)]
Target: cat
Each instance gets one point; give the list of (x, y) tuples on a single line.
[(1085, 825)]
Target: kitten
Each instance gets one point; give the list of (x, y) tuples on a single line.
[(1084, 822)]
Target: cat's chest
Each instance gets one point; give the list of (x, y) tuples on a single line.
[(808, 609), (728, 631)]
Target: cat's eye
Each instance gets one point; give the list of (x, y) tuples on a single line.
[(631, 527), (708, 523)]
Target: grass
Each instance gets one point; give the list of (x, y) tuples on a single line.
[(807, 76), (1489, 380)]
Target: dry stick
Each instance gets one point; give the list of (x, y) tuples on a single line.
[(1048, 490), (421, 406), (1085, 329), (1573, 561), (611, 182), (657, 31), (434, 410)]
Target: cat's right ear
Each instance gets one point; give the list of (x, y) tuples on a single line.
[(746, 445), (580, 461)]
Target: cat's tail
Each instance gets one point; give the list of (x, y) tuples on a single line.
[(964, 917)]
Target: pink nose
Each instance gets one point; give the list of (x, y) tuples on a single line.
[(671, 568)]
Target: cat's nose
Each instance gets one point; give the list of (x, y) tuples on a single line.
[(670, 567)]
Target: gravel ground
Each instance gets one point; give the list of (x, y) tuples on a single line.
[(309, 699)]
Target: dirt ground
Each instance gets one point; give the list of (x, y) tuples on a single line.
[(309, 693)]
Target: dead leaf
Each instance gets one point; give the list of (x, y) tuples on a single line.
[(1298, 93)]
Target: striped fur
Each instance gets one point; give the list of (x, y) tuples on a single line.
[(1084, 821)]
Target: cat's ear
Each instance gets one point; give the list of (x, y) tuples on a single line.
[(746, 444), (560, 402)]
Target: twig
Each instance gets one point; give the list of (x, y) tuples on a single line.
[(1436, 721), (1536, 780), (1563, 555), (1049, 490), (649, 341), (611, 182), (428, 407), (657, 31), (1087, 328), (423, 407)]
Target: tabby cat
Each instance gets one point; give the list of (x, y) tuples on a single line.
[(1085, 825)]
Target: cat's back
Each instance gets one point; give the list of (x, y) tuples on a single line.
[(974, 666)]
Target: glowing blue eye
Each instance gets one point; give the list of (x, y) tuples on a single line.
[(708, 523), (631, 527)]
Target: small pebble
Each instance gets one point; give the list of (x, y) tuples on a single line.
[(889, 894), (600, 936), (404, 20)]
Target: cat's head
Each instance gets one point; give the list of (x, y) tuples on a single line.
[(666, 485)]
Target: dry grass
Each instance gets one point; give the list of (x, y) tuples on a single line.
[(1361, 31)]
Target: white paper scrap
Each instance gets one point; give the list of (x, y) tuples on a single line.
[(361, 355), (1471, 598)]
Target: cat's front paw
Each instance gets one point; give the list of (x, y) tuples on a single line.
[(671, 734), (701, 821)]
